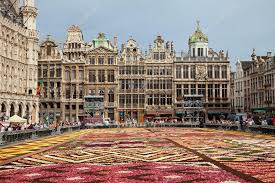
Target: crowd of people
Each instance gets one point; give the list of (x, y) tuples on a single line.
[(6, 126), (245, 121)]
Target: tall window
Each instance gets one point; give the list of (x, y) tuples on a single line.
[(186, 89), (169, 99), (156, 99), (111, 76), (74, 91), (156, 56), (178, 72), (179, 90), (210, 71), (141, 84), (80, 91), (162, 99), (156, 71), (128, 100), (92, 76), (101, 60), (122, 70), (73, 74), (68, 92), (141, 100), (217, 72), (149, 71), (224, 72), (111, 96), (217, 91), (201, 89), (121, 100), (200, 52), (135, 100), (45, 71), (101, 76), (210, 90), (58, 71), (122, 84), (156, 84), (68, 75), (81, 74), (135, 70), (224, 91), (49, 50), (193, 72), (110, 60), (92, 60), (162, 56), (135, 83), (51, 71), (128, 70), (39, 70), (193, 89), (150, 100), (127, 84), (169, 84), (141, 70), (185, 72)]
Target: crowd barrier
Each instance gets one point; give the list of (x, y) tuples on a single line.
[(15, 136), (261, 129)]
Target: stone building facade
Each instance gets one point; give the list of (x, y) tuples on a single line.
[(18, 60), (202, 72), (102, 70), (50, 80), (262, 86), (255, 85), (139, 85), (131, 79), (159, 78)]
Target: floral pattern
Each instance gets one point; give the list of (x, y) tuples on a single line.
[(149, 155)]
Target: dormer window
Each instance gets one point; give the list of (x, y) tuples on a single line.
[(159, 56), (101, 60), (49, 49)]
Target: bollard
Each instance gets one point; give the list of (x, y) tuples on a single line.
[(34, 135), (1, 138), (58, 130)]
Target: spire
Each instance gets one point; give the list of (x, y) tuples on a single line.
[(254, 54), (198, 25)]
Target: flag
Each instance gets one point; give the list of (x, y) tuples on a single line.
[(39, 88)]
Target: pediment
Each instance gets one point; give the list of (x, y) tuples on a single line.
[(101, 49)]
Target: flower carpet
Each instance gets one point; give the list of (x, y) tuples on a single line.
[(145, 155)]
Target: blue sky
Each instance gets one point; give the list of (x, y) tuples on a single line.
[(234, 25)]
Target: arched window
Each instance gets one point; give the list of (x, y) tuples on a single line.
[(111, 96)]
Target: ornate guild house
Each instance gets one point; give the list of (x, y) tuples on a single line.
[(134, 84)]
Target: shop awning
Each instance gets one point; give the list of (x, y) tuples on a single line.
[(214, 112), (183, 112), (259, 111)]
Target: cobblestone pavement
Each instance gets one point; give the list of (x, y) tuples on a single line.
[(142, 155)]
